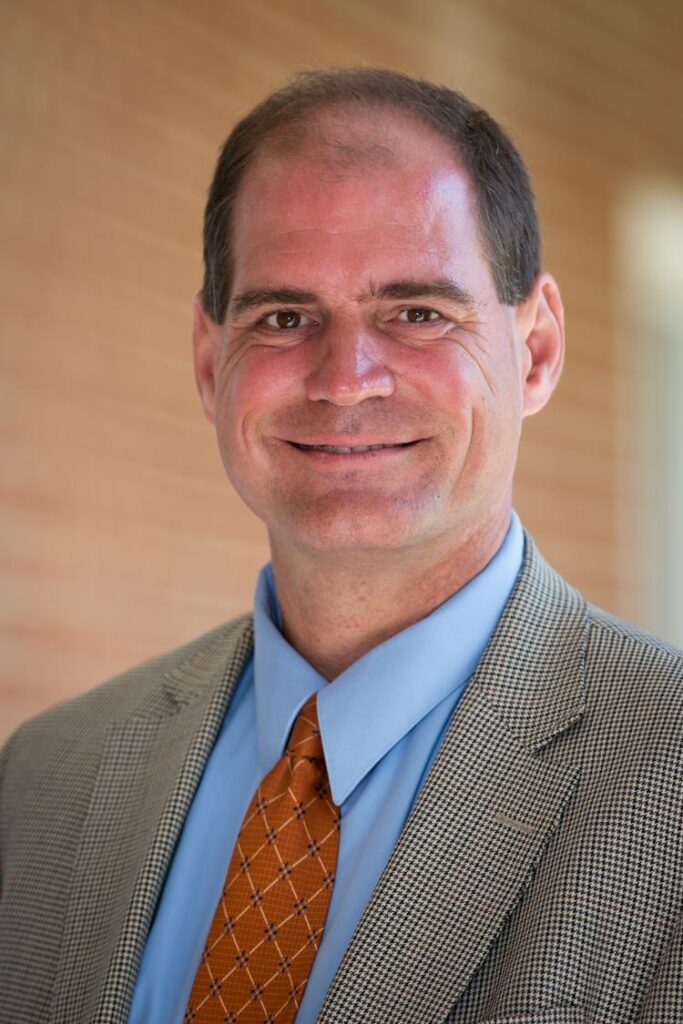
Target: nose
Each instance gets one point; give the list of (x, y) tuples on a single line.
[(349, 366)]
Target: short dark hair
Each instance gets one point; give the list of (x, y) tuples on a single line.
[(505, 201)]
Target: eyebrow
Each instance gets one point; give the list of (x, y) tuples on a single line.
[(256, 297), (440, 288)]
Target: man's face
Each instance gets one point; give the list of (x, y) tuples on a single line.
[(368, 386)]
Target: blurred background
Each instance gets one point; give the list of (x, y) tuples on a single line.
[(119, 534)]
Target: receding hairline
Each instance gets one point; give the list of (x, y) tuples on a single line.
[(340, 133), (493, 166), (341, 146)]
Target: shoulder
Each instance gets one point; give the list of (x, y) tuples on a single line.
[(614, 640), (622, 686), (625, 687), (609, 647), (633, 674), (86, 718)]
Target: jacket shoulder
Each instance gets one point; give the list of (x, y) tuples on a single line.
[(633, 720), (627, 653), (614, 658), (124, 694)]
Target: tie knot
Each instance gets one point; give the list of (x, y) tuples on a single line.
[(304, 739)]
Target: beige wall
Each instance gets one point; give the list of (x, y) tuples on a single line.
[(119, 534)]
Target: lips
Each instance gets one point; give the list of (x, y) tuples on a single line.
[(339, 449)]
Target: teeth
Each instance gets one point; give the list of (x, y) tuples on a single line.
[(338, 449)]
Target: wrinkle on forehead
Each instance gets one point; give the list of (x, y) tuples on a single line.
[(296, 216), (330, 152), (295, 194)]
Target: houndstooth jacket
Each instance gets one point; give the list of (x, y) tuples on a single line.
[(538, 879)]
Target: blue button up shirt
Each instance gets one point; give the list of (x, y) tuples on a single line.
[(381, 721)]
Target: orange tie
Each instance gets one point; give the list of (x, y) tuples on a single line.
[(270, 918)]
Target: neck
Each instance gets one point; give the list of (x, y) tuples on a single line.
[(336, 606)]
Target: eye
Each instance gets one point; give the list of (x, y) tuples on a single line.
[(419, 315), (286, 320)]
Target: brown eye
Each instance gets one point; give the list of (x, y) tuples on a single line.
[(285, 320), (418, 315)]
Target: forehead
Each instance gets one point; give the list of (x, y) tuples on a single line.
[(348, 143), (353, 192)]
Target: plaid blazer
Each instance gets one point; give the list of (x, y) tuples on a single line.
[(537, 879)]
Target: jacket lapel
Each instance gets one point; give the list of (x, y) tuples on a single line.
[(150, 767), (483, 818)]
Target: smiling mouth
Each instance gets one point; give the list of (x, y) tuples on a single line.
[(339, 449)]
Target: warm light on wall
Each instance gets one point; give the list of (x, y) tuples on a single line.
[(650, 235)]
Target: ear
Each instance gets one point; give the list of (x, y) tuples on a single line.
[(541, 322), (206, 346)]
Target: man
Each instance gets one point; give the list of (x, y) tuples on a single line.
[(483, 769)]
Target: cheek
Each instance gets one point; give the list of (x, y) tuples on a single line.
[(250, 390), (450, 383), (236, 397), (477, 404)]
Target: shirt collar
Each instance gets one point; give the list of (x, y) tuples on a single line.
[(373, 704)]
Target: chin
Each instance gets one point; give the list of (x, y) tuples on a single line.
[(368, 529)]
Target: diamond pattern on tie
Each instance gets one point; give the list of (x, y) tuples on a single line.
[(270, 918)]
